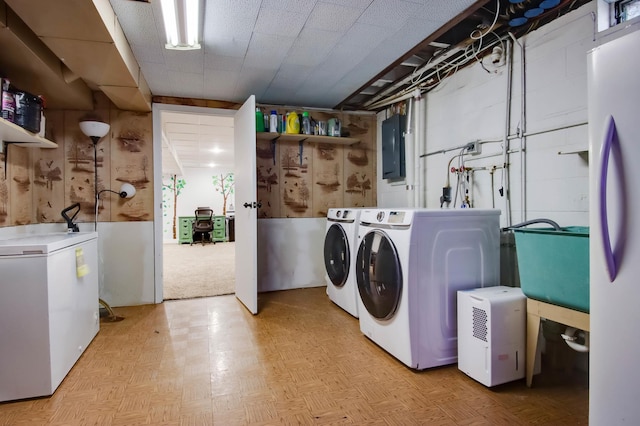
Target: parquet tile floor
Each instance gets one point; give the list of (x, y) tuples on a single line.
[(300, 361)]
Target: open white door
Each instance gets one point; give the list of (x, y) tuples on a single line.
[(246, 219)]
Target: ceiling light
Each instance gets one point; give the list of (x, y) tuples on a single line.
[(216, 150), (211, 164), (181, 23)]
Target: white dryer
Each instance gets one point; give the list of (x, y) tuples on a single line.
[(410, 265), (340, 248)]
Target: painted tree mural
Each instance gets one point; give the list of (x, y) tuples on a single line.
[(224, 184), (173, 189)]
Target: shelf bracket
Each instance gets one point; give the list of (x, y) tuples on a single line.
[(273, 151), (301, 150)]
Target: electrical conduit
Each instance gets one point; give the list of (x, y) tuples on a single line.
[(409, 155)]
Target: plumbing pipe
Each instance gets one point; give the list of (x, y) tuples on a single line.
[(505, 140), (511, 137), (409, 155), (422, 138), (522, 131)]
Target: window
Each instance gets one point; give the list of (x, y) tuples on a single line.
[(626, 10)]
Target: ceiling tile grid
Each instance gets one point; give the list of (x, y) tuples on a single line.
[(388, 13), (267, 51), (220, 84), (279, 22), (332, 17), (222, 63)]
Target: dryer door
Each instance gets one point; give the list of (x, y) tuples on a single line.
[(336, 255), (379, 275)]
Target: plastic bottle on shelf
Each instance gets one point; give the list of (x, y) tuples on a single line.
[(293, 123), (306, 123), (259, 120), (273, 123)]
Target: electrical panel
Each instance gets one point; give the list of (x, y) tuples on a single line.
[(393, 161)]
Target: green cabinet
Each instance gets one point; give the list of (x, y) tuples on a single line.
[(185, 234), (219, 229)]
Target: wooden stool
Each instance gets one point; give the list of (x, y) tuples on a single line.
[(537, 310)]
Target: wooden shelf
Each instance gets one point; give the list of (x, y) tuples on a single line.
[(12, 133), (271, 136)]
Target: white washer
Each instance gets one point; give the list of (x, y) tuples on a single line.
[(340, 248), (410, 265)]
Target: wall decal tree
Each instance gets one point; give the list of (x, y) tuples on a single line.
[(224, 184), (174, 187)]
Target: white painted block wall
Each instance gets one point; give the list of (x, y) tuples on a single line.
[(471, 105)]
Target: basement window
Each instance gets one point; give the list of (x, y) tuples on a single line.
[(625, 10)]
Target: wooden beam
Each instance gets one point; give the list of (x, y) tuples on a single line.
[(206, 103)]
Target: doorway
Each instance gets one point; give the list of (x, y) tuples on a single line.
[(194, 161)]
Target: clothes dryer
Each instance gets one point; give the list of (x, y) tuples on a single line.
[(340, 248), (409, 266)]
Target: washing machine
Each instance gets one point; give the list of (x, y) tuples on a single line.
[(410, 265), (340, 247)]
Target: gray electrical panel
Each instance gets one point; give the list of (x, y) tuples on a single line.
[(393, 164)]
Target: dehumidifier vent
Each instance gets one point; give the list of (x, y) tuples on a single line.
[(480, 324)]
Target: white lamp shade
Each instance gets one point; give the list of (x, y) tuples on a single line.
[(128, 189), (94, 128)]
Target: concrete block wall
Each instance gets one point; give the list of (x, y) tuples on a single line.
[(471, 105)]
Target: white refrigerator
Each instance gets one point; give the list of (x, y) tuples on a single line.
[(614, 169)]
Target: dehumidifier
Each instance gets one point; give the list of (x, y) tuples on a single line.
[(492, 334)]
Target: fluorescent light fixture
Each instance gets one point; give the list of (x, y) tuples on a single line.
[(211, 165), (216, 150), (181, 23)]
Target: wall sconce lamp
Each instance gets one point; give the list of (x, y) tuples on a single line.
[(182, 23), (126, 191)]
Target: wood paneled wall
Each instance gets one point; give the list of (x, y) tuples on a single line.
[(41, 182), (306, 180)]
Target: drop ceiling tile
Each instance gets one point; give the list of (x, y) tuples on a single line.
[(440, 11), (221, 27), (267, 51), (332, 17), (390, 14), (236, 47), (155, 76), (190, 84), (280, 22), (220, 84), (357, 4), (187, 61), (312, 47), (364, 36), (139, 15), (303, 7), (223, 63), (290, 76), (232, 9), (148, 53), (252, 82)]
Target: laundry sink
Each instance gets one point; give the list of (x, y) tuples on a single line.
[(554, 265)]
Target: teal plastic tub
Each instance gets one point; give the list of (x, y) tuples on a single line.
[(554, 265)]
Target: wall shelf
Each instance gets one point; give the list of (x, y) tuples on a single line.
[(272, 136), (14, 134), (579, 150)]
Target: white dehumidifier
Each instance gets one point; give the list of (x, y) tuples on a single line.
[(492, 334)]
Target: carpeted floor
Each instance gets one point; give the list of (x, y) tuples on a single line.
[(197, 270)]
